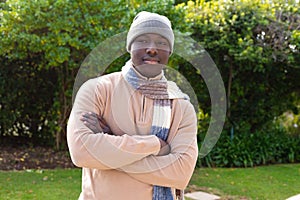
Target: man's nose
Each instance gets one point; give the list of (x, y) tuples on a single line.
[(151, 49)]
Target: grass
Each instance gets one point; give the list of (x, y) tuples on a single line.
[(62, 184), (276, 182)]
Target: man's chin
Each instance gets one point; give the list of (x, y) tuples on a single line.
[(150, 70)]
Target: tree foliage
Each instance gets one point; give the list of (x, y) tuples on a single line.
[(53, 36), (49, 36), (255, 45), (256, 48)]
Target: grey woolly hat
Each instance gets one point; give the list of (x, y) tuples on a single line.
[(147, 22)]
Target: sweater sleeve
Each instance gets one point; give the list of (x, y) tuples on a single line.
[(102, 151), (175, 169)]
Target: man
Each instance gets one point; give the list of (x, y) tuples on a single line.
[(133, 132)]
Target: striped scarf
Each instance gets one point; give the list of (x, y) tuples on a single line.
[(162, 92)]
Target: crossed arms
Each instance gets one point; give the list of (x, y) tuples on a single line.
[(92, 145)]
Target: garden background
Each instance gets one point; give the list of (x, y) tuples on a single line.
[(255, 45)]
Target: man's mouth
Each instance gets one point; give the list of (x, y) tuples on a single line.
[(150, 61)]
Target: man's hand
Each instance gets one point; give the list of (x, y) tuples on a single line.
[(95, 123), (164, 148), (162, 143)]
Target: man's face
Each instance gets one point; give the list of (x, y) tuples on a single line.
[(150, 53)]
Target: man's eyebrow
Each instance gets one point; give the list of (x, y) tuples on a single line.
[(161, 37), (144, 35)]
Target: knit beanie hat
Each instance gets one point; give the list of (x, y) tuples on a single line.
[(146, 22)]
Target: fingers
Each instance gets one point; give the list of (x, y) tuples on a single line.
[(162, 142), (165, 150), (93, 128), (95, 122), (90, 117)]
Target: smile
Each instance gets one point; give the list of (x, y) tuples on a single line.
[(151, 61)]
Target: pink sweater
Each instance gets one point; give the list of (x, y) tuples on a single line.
[(126, 165)]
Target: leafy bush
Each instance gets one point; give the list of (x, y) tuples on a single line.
[(255, 45), (271, 146), (42, 46)]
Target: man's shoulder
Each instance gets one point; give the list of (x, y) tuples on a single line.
[(106, 77), (111, 76), (102, 80)]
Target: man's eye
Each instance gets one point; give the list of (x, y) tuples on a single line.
[(142, 41), (162, 43)]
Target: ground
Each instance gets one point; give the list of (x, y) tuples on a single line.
[(28, 157)]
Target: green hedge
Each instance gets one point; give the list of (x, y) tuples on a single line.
[(273, 146)]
